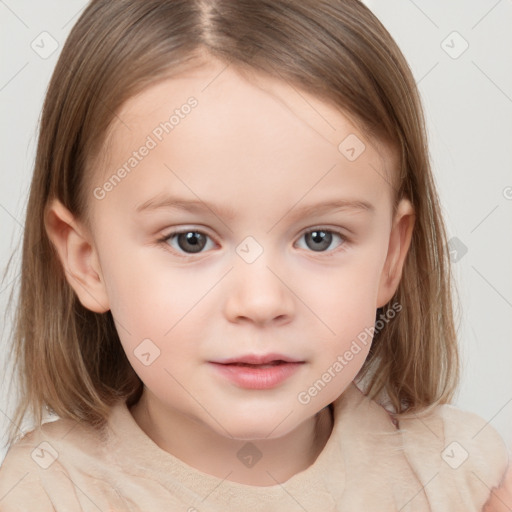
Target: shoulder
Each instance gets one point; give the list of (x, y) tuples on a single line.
[(37, 467), (460, 453), (501, 498), (465, 439)]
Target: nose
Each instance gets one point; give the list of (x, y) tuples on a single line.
[(257, 293)]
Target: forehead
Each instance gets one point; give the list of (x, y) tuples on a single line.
[(244, 129)]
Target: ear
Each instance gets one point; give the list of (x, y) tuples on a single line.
[(78, 256), (399, 242)]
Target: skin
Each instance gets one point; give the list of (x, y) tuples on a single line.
[(500, 499), (261, 148)]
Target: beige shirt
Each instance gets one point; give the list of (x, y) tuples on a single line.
[(443, 461)]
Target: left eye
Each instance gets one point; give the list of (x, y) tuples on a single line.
[(319, 239)]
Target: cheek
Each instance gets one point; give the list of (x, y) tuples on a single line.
[(344, 303), (351, 319), (146, 295), (343, 337), (345, 296), (151, 320), (155, 309)]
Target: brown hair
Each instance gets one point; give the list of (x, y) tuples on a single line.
[(70, 359)]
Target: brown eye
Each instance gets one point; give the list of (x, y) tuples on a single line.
[(188, 242), (191, 241)]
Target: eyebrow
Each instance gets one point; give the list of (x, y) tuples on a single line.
[(193, 205)]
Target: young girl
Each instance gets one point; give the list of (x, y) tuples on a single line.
[(235, 286)]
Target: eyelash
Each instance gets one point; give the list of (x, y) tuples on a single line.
[(165, 239)]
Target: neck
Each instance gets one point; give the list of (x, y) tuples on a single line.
[(209, 452)]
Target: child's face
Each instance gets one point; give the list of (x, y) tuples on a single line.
[(256, 153)]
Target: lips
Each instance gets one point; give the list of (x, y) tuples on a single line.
[(257, 372), (259, 360), (249, 365)]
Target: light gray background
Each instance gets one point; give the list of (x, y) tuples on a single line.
[(468, 105)]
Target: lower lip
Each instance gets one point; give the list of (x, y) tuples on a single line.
[(256, 377)]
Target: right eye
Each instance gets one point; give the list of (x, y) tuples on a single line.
[(189, 241)]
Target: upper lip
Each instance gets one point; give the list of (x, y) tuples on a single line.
[(258, 359)]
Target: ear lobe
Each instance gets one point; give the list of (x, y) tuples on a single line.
[(77, 256), (399, 243)]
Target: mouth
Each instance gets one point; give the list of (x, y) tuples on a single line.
[(259, 360), (258, 372), (267, 365)]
